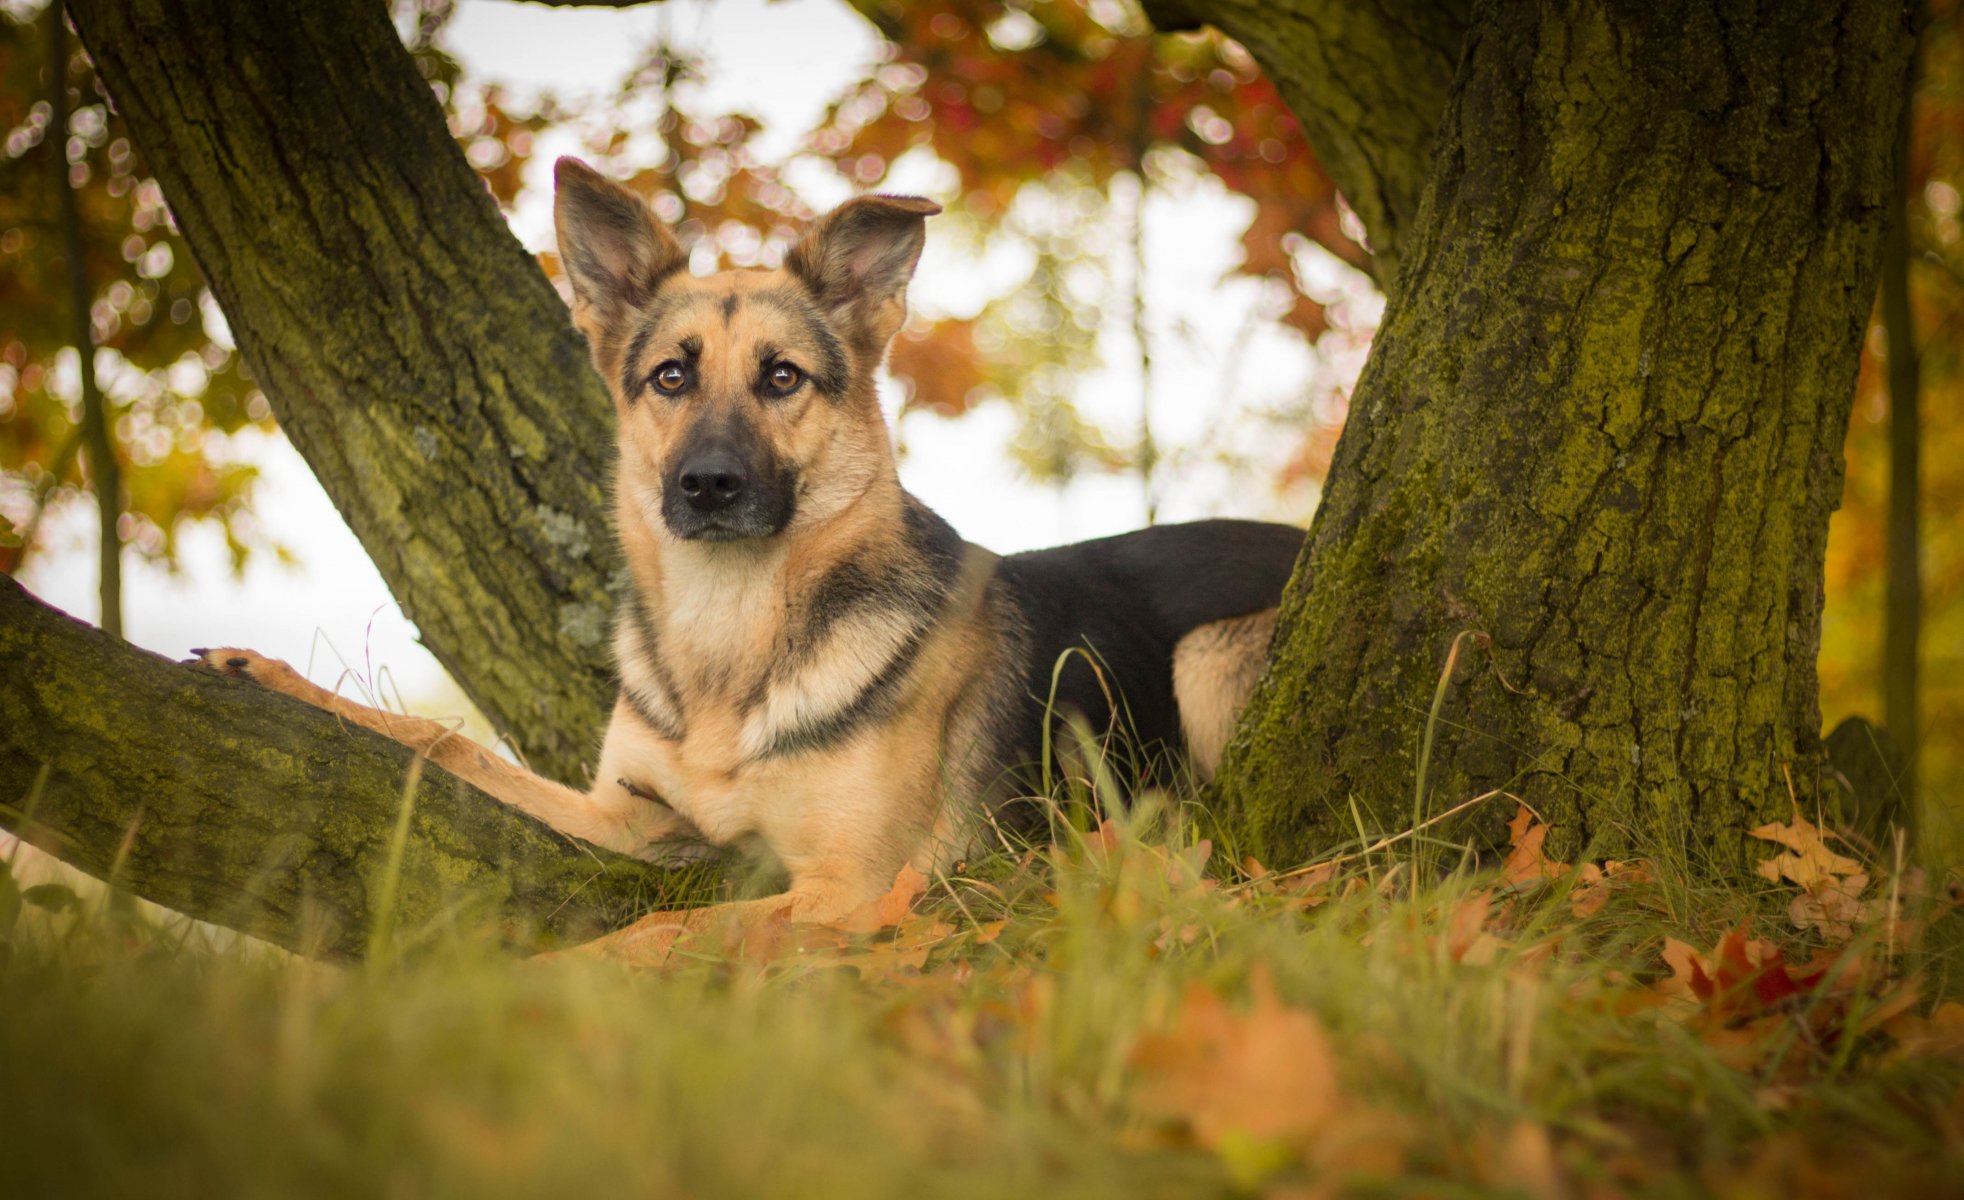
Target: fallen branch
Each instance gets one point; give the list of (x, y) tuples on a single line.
[(232, 804)]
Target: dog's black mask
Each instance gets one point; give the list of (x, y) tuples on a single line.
[(724, 484)]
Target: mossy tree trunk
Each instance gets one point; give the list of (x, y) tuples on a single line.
[(412, 350), (242, 807), (1602, 425)]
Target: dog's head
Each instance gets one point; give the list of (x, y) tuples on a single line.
[(746, 399)]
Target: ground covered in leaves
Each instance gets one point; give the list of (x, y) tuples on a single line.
[(1123, 1014)]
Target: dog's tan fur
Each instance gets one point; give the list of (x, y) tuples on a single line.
[(740, 658)]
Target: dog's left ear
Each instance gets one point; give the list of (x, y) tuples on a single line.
[(858, 258)]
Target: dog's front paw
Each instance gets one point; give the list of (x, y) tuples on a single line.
[(268, 673)]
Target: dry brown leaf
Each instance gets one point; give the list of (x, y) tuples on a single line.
[(1526, 864), (1808, 861), (1267, 1074), (1528, 1158), (1941, 1033), (1889, 1007), (1834, 908), (891, 909), (1594, 883), (1467, 925)]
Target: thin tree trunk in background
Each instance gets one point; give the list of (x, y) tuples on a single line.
[(254, 811), (105, 475), (1148, 448), (413, 352), (1902, 627), (1602, 424)]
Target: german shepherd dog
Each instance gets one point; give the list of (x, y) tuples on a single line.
[(809, 657)]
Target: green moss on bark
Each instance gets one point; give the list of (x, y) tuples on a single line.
[(222, 800), (412, 350), (1602, 423)]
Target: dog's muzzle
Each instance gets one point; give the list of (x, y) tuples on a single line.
[(718, 492)]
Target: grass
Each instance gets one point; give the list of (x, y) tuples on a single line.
[(1102, 1018)]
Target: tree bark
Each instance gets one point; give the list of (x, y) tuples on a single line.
[(413, 352), (1902, 615), (1367, 80), (242, 807), (1602, 424), (105, 472)]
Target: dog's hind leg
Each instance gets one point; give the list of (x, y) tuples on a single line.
[(1215, 669), (609, 815)]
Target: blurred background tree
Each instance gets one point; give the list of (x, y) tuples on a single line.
[(1854, 671), (172, 386)]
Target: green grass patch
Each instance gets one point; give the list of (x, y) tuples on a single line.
[(1118, 1015)]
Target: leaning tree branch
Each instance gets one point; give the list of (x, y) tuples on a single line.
[(412, 350), (1367, 78), (214, 797)]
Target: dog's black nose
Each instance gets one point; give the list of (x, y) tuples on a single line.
[(712, 481)]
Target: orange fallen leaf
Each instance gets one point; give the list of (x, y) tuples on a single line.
[(1525, 863), (1807, 861), (1594, 883), (891, 909), (1941, 1033), (1267, 1074), (1467, 925), (1833, 908)]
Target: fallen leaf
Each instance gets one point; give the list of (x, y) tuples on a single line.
[(1267, 1074), (1939, 1034), (1807, 861), (1594, 884), (1525, 863), (1528, 1155), (1833, 908), (1467, 925), (889, 910)]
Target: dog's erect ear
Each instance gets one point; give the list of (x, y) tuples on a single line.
[(615, 252), (858, 258)]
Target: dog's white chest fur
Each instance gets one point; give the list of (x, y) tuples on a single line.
[(726, 706)]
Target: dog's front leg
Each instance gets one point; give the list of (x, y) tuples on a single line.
[(611, 815)]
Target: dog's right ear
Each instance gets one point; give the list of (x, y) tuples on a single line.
[(615, 252)]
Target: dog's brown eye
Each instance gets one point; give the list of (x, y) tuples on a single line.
[(669, 377), (783, 378)]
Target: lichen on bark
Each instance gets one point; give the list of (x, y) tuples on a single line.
[(1601, 424), (413, 352), (229, 803)]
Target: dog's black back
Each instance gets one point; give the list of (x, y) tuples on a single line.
[(1129, 600)]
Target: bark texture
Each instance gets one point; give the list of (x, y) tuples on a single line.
[(1368, 80), (1602, 424), (1902, 620), (412, 350), (216, 798)]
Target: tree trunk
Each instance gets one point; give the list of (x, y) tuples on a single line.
[(105, 472), (1368, 80), (1602, 425), (413, 352), (245, 808), (1902, 613)]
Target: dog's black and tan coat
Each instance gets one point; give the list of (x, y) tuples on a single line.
[(809, 657)]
